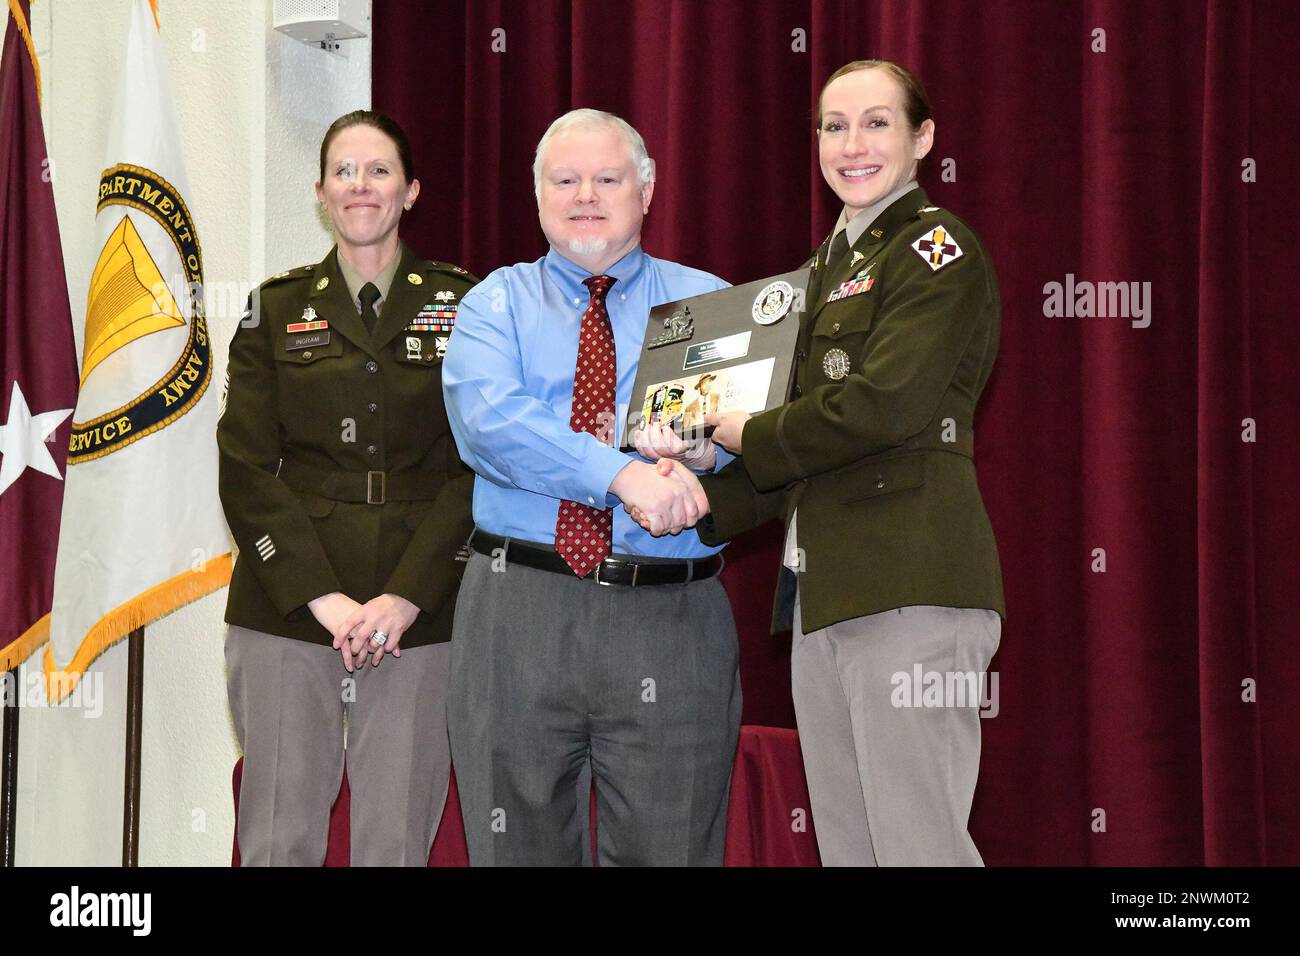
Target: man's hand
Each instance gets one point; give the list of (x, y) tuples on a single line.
[(727, 428), (391, 616), (661, 441), (672, 470), (334, 612), (667, 495)]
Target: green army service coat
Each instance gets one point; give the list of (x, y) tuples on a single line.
[(875, 447), (338, 470)]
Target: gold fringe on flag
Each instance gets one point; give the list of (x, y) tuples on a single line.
[(159, 600), (13, 654), (25, 32)]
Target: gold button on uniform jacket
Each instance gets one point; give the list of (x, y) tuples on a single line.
[(875, 447), (338, 470)]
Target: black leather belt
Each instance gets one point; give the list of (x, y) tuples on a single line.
[(622, 570), (369, 487)]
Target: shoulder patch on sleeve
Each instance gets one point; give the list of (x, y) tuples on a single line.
[(937, 247)]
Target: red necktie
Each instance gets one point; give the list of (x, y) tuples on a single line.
[(583, 534)]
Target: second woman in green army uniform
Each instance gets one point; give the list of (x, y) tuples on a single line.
[(343, 489), (870, 464)]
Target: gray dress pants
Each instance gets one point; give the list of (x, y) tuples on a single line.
[(549, 673)]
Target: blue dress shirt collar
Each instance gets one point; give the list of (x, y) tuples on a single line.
[(569, 275)]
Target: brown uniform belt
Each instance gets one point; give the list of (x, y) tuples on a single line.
[(625, 570), (368, 487)]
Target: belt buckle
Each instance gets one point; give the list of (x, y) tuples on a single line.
[(611, 584), (370, 487)]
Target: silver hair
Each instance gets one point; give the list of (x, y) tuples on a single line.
[(589, 119)]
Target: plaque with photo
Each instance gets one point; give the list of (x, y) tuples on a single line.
[(730, 350)]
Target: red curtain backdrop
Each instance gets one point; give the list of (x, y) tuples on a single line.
[(1147, 711)]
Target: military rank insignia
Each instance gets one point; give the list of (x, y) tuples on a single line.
[(856, 286), (938, 248)]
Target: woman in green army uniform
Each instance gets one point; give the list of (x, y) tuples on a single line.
[(343, 489), (891, 578)]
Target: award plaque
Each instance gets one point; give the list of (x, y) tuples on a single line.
[(725, 351)]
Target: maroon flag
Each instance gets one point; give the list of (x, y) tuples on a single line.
[(38, 356)]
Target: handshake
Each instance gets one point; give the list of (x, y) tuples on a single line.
[(665, 497)]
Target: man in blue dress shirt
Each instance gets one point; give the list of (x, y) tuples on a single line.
[(579, 637)]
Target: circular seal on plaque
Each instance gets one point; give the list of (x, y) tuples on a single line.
[(772, 304), (835, 363)]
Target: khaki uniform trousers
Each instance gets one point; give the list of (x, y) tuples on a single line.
[(288, 699), (891, 760)]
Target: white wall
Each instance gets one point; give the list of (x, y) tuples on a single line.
[(252, 107)]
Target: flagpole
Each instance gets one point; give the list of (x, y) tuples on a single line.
[(134, 713), (134, 708), (9, 773)]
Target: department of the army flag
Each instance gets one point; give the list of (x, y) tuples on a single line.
[(38, 358), (143, 531)]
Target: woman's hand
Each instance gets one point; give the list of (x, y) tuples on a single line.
[(334, 612), (660, 441), (388, 614), (727, 429)]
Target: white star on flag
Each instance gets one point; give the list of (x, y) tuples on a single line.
[(22, 440)]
